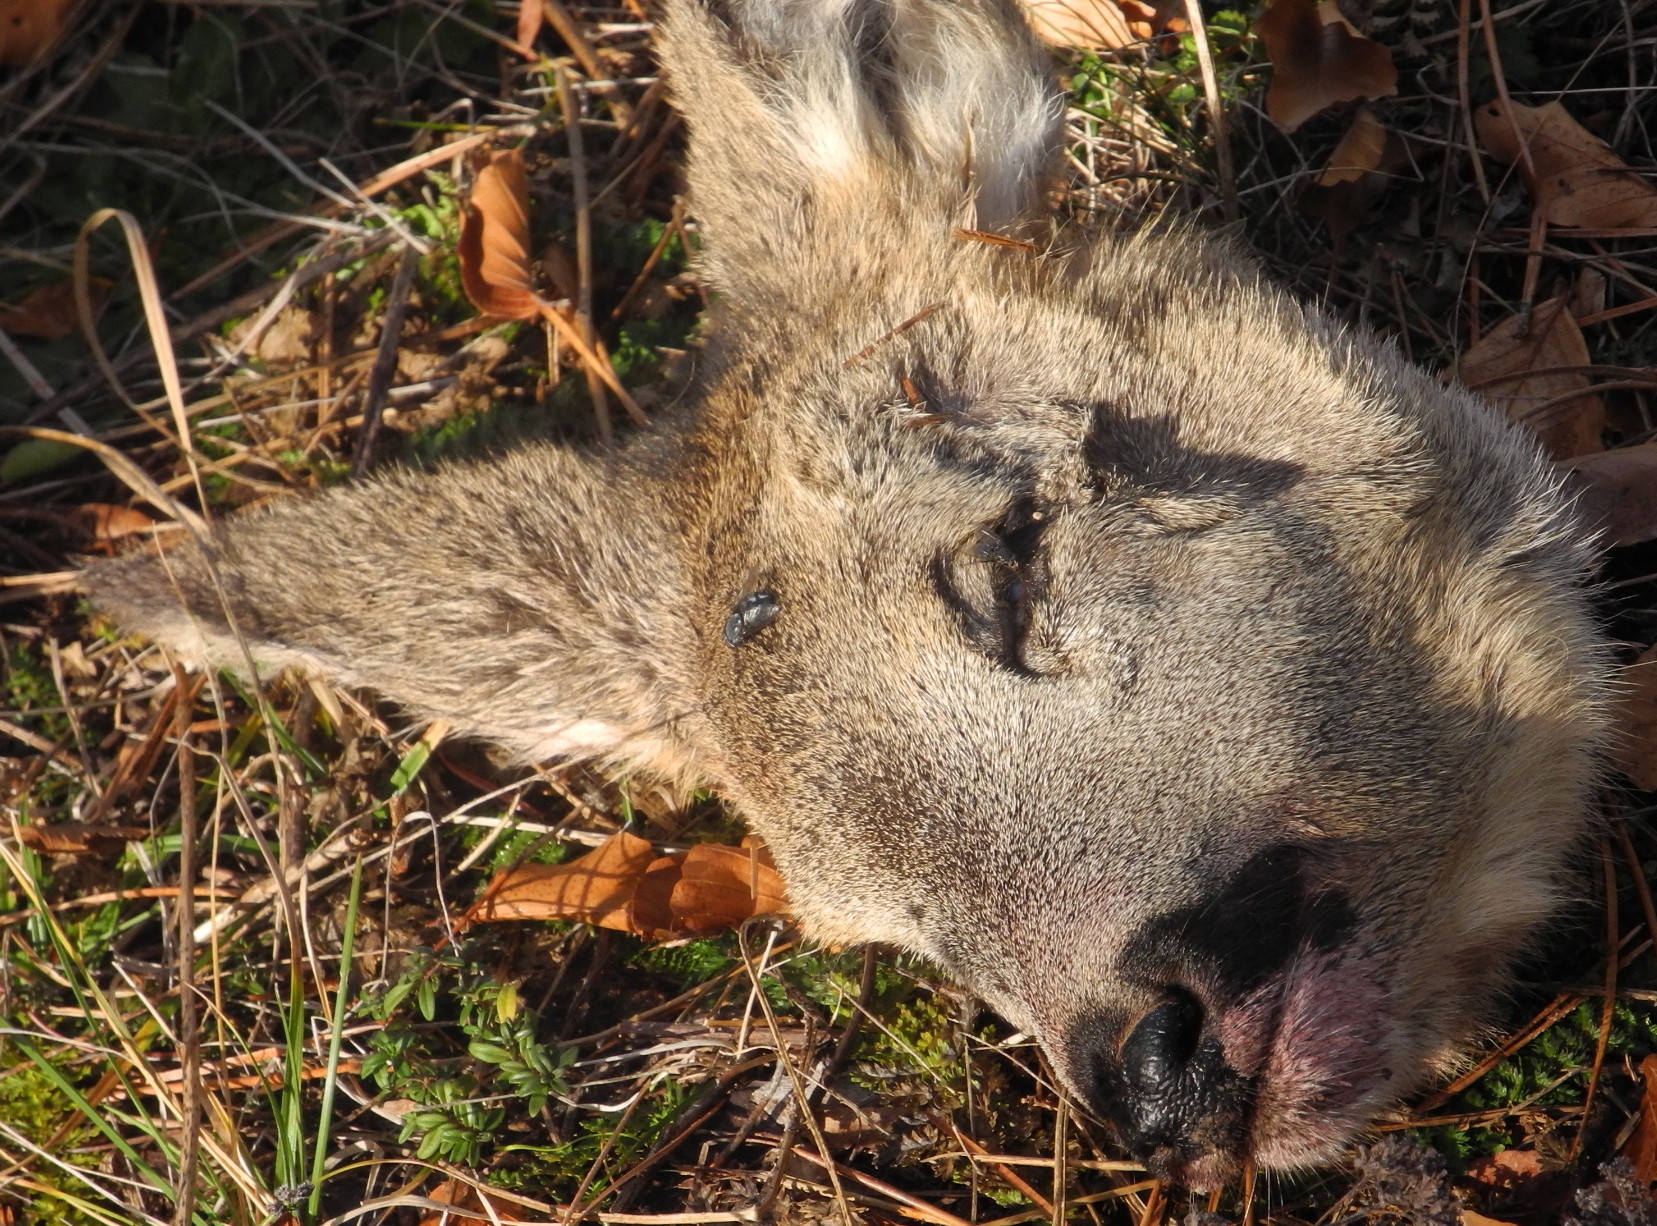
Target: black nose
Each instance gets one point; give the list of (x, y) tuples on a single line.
[(1160, 1048), (1173, 1096)]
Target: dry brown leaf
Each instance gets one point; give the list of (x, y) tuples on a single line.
[(1469, 1218), (596, 888), (1578, 181), (469, 1209), (103, 521), (48, 312), (720, 886), (1356, 174), (650, 911), (1505, 1169), (70, 838), (1641, 1148), (1318, 60), (1496, 366), (29, 29), (1617, 492), (623, 884), (531, 15), (1091, 25), (1635, 749), (494, 240)]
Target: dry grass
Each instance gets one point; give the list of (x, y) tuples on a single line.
[(243, 969)]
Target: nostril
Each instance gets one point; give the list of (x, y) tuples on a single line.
[(1162, 1043)]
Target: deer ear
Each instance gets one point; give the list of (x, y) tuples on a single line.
[(812, 120), (524, 601)]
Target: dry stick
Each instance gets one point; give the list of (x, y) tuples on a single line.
[(711, 1100), (1533, 273), (1249, 1173), (656, 253), (1608, 1010), (924, 313), (188, 1024), (927, 1212), (997, 1163), (1127, 1193), (577, 1208), (385, 361), (1061, 1120), (801, 1099), (559, 18), (1216, 110), (593, 355), (1547, 407), (82, 78), (583, 242), (1646, 375), (1464, 98), (1640, 885), (1537, 1026), (1153, 1206), (128, 473)]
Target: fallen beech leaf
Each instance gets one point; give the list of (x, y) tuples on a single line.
[(1506, 1169), (48, 312), (1578, 181), (596, 888), (650, 910), (1090, 25), (1356, 174), (494, 240), (1469, 1218), (720, 886), (1617, 492), (69, 838), (102, 521), (29, 29), (1567, 428), (531, 15), (469, 1208), (1318, 60), (1641, 1149)]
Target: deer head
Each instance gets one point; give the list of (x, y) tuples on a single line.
[(1205, 686)]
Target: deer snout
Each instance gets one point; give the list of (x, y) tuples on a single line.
[(1166, 1086), (1174, 1082)]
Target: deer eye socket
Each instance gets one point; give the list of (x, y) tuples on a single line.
[(753, 613), (993, 581)]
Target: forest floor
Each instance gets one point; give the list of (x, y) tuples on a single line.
[(353, 1046)]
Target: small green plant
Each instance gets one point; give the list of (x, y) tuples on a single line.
[(460, 1113)]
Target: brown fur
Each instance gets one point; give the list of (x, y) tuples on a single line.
[(1206, 686)]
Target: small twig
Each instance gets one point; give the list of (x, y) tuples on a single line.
[(801, 1098), (1464, 97), (1538, 1025), (1216, 111), (189, 1031), (924, 313), (1609, 1008), (929, 1212), (385, 361), (633, 291), (583, 239)]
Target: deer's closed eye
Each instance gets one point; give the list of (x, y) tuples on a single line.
[(993, 582)]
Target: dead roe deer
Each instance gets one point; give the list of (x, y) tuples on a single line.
[(1204, 685)]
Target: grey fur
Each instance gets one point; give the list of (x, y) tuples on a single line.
[(1180, 651)]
